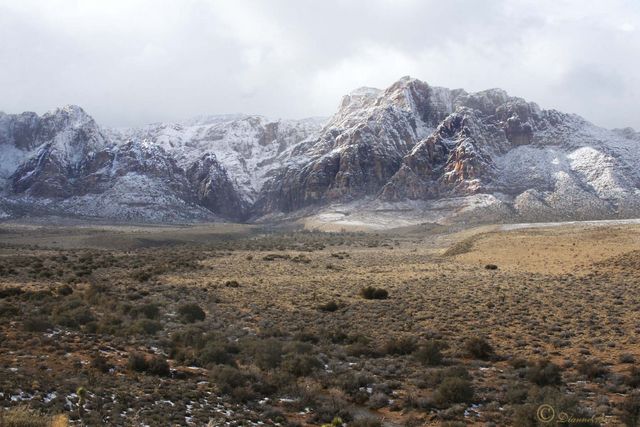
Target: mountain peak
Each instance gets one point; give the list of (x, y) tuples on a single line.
[(409, 143), (365, 91), (69, 115)]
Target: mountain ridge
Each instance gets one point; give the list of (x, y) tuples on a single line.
[(410, 144)]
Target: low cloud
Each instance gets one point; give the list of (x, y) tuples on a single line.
[(138, 61)]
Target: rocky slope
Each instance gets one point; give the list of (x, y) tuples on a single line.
[(422, 152)]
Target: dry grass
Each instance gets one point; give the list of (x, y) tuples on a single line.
[(284, 319)]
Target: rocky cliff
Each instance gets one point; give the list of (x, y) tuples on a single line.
[(411, 146)]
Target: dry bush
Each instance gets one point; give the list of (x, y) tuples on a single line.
[(23, 416), (191, 313), (478, 348), (370, 292)]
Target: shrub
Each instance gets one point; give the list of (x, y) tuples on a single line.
[(478, 348), (453, 390), (215, 353), (630, 409), (516, 394), (190, 313), (65, 290), (273, 257), (229, 378), (158, 366), (526, 414), (378, 400), (141, 275), (331, 306), (370, 292), (149, 310), (518, 363), (146, 327), (592, 368), (544, 373), (633, 379), (429, 353), (366, 422), (155, 365), (37, 324), (73, 314), (627, 358), (22, 416), (399, 346), (8, 309), (434, 377), (266, 353), (10, 292), (360, 348), (491, 267), (100, 363), (300, 365), (137, 362)]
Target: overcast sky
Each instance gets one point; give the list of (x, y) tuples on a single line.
[(132, 62)]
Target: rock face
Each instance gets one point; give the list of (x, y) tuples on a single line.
[(498, 157)]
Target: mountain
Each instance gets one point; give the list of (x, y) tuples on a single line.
[(410, 153)]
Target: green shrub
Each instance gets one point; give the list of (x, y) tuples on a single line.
[(370, 292), (191, 312)]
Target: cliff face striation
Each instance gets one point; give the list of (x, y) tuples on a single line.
[(411, 144)]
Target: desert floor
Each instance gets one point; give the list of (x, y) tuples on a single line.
[(248, 325)]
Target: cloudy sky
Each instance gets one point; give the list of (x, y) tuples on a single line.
[(129, 62)]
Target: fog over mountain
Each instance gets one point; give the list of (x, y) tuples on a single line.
[(135, 62), (409, 153)]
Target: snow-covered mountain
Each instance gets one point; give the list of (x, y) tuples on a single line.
[(430, 153)]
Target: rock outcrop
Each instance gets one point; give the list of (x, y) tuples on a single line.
[(491, 154)]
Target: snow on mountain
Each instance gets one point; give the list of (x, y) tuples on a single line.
[(247, 146), (411, 152)]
